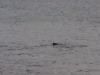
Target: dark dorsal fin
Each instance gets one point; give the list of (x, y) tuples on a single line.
[(54, 44)]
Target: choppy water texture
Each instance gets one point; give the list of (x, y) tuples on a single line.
[(49, 37)]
